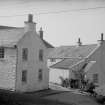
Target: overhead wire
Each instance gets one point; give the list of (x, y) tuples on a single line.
[(73, 10), (55, 12)]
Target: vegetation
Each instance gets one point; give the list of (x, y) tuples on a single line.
[(100, 99), (79, 84), (73, 83)]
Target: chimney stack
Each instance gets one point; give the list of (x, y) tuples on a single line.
[(79, 42), (102, 36), (30, 18), (30, 25), (101, 39), (41, 33)]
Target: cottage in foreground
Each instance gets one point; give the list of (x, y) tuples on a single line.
[(23, 64)]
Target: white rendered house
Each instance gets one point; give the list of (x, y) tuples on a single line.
[(23, 58)]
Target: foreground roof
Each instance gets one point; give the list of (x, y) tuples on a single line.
[(73, 56), (72, 51), (66, 63), (9, 36)]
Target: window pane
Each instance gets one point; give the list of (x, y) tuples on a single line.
[(95, 78), (25, 54), (41, 55), (1, 52), (24, 76), (40, 76)]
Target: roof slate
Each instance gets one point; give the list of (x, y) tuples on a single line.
[(72, 51), (48, 45), (73, 56), (9, 36), (66, 63), (7, 27)]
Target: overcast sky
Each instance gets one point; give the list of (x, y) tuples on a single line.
[(62, 28)]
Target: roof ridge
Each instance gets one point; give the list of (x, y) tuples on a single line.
[(72, 51), (76, 45), (2, 27)]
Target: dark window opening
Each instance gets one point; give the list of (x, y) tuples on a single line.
[(1, 52), (41, 55), (95, 78), (52, 60), (25, 54), (40, 76), (24, 76)]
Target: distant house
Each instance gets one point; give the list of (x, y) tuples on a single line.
[(90, 58), (23, 58)]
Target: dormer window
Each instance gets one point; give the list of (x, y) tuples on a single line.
[(1, 52)]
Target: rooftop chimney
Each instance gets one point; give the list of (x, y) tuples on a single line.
[(79, 42), (102, 38), (30, 18), (30, 25), (41, 33)]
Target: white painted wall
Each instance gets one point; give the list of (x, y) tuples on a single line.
[(49, 63), (56, 73), (7, 69), (33, 43)]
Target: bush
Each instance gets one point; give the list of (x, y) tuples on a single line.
[(100, 99)]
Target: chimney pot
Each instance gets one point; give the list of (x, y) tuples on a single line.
[(30, 25), (101, 39), (79, 42), (41, 33), (102, 36), (30, 18)]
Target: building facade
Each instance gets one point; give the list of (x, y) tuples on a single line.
[(23, 58)]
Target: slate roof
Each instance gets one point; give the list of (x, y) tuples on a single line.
[(48, 45), (7, 27), (66, 63), (73, 56), (9, 36), (72, 51)]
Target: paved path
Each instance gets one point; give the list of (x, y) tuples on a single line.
[(71, 97), (64, 95), (76, 99)]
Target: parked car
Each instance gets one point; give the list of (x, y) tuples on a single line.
[(100, 91)]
